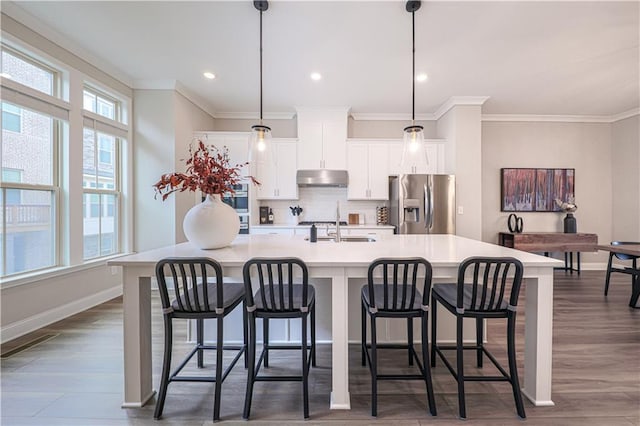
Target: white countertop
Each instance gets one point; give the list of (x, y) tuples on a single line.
[(440, 250)]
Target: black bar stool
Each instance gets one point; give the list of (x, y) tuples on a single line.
[(284, 292), (199, 294), (620, 256), (395, 294), (492, 293)]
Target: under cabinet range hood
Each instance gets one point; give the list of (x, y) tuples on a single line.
[(322, 177)]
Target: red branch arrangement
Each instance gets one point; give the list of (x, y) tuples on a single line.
[(208, 170)]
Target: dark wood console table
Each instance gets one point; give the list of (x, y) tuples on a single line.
[(547, 242)]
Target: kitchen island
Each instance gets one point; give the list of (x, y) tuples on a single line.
[(338, 262)]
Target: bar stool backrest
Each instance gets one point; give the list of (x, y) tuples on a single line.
[(492, 279), (400, 279), (276, 278), (183, 274)]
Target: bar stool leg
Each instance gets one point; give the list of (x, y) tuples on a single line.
[(218, 387), (166, 368), (251, 355), (434, 328), (608, 277), (265, 341), (460, 368), (410, 339), (305, 368), (374, 368), (363, 329), (200, 341), (426, 364), (513, 367), (313, 334), (479, 340)]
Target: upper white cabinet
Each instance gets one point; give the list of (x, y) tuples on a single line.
[(368, 166), (435, 155), (237, 142), (278, 180), (322, 135)]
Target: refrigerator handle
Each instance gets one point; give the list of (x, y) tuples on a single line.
[(428, 206)]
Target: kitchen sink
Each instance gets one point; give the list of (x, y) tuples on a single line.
[(348, 239)]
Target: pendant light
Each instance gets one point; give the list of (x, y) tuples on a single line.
[(260, 146), (414, 154)]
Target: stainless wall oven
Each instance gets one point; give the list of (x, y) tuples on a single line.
[(240, 203)]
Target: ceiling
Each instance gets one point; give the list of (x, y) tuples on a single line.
[(550, 58)]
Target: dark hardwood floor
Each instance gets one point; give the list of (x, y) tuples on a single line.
[(72, 375)]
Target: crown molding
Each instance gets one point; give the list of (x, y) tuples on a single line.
[(254, 115), (561, 118), (374, 116), (458, 101), (625, 114)]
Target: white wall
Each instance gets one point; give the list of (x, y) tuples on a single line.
[(154, 154), (386, 129), (461, 127), (279, 128), (583, 146), (625, 174), (188, 118)]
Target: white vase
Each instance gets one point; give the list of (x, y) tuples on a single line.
[(211, 224)]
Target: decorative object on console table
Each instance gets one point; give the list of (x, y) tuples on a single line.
[(515, 223), (211, 224), (569, 222)]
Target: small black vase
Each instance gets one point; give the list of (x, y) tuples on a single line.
[(570, 225)]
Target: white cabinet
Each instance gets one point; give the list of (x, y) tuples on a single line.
[(278, 180), (322, 135), (435, 155), (368, 166), (236, 142)]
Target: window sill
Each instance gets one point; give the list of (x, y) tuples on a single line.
[(33, 277)]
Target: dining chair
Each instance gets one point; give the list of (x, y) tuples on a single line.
[(199, 294), (283, 292), (397, 288), (487, 288), (620, 256)]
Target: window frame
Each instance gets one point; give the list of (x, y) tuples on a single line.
[(56, 210)]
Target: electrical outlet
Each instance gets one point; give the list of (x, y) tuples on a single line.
[(460, 210)]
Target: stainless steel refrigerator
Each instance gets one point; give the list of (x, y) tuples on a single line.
[(422, 204)]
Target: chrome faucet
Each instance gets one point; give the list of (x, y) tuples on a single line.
[(337, 221)]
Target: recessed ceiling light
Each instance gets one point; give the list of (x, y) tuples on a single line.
[(315, 76), (421, 77), (209, 75)]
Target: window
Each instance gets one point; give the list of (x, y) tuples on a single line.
[(28, 72), (101, 194), (101, 104), (11, 117), (29, 190)]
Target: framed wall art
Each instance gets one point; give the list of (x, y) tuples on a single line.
[(535, 190)]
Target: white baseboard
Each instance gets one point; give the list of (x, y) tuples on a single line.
[(27, 325)]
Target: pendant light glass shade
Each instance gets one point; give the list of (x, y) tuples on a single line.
[(260, 145), (414, 151)]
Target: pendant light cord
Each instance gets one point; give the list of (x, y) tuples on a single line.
[(261, 67), (413, 75)]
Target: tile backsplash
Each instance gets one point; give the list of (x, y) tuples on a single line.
[(320, 204)]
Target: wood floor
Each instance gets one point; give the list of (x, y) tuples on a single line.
[(73, 376)]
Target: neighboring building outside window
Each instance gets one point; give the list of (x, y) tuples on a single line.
[(11, 118)]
